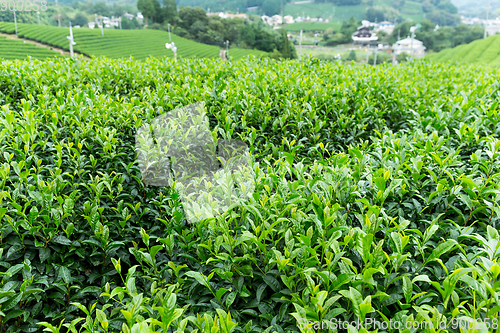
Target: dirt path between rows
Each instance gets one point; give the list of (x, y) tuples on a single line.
[(56, 49)]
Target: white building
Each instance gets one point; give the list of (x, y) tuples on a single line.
[(385, 26), (364, 36), (129, 16), (415, 48), (226, 15), (492, 29), (277, 19), (288, 19)]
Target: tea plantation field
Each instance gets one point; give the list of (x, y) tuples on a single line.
[(376, 196), (485, 51), (139, 44), (16, 49)]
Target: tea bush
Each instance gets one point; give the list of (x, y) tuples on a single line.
[(376, 197)]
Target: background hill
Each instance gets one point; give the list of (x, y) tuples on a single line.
[(485, 51), (477, 7)]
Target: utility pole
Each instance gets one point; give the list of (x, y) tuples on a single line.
[(71, 42), (59, 19), (412, 37), (38, 13), (169, 33), (413, 29), (15, 21), (486, 22), (227, 49), (375, 59), (102, 27), (281, 12), (367, 55), (300, 45), (120, 23)]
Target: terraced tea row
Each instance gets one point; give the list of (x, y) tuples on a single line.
[(139, 44), (16, 49), (486, 51)]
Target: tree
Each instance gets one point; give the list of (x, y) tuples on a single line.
[(80, 19), (100, 8), (196, 28), (352, 56), (286, 48), (247, 35), (118, 10), (443, 18), (189, 15), (147, 8), (373, 14), (169, 11), (130, 23), (158, 15), (271, 7)]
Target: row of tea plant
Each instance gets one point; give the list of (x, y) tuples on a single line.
[(376, 196)]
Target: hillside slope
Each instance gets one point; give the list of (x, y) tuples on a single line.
[(486, 51), (16, 49), (140, 44)]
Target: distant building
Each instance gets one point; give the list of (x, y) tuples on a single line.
[(243, 16), (288, 19), (91, 25), (277, 19), (492, 29), (364, 36), (139, 16), (226, 15), (406, 45), (385, 26), (129, 16)]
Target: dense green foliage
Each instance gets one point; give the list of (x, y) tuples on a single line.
[(194, 23), (376, 196), (441, 12), (11, 49), (379, 14), (139, 44), (343, 35), (486, 51), (443, 37)]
